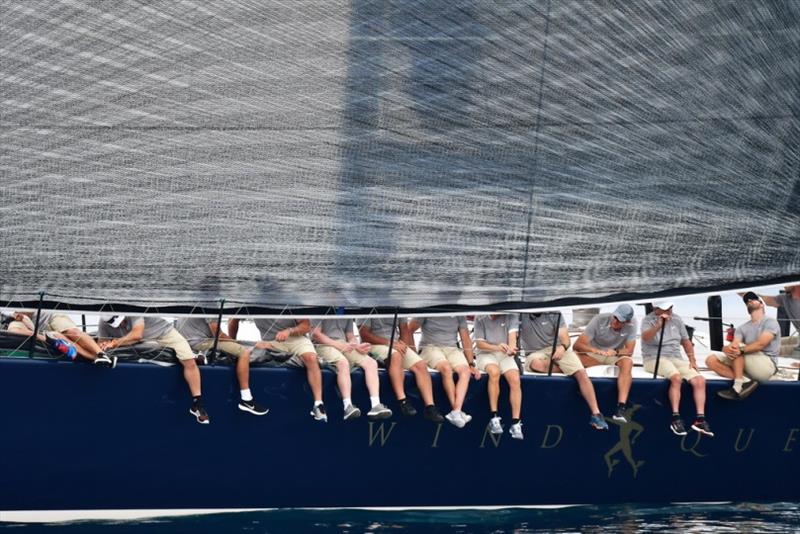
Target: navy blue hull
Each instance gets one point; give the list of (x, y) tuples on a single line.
[(76, 437)]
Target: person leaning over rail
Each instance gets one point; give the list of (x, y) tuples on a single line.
[(790, 302), (63, 326), (537, 332), (496, 340), (672, 365), (609, 339), (337, 346), (200, 332), (289, 335), (752, 356), (378, 331), (120, 331), (440, 352)]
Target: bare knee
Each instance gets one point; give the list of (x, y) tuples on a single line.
[(711, 361), (698, 382), (675, 380), (512, 377), (625, 365), (309, 359), (493, 372), (72, 333), (189, 364), (445, 369), (463, 372), (368, 364), (342, 366)]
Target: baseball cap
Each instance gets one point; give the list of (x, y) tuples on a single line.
[(623, 313), (663, 304), (747, 297), (114, 320)]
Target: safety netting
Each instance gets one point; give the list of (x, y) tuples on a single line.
[(381, 153)]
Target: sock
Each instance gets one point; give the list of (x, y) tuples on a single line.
[(737, 385), (701, 417), (197, 400), (347, 402), (621, 405), (494, 414), (402, 401), (317, 403), (515, 421), (676, 415), (375, 401), (246, 395)]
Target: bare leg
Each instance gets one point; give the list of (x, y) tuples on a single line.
[(424, 384), (624, 379), (543, 366), (713, 363), (587, 390), (699, 391), (675, 392), (514, 392), (371, 376), (462, 386), (191, 373), (243, 370), (343, 378), (397, 375), (448, 383), (313, 374), (83, 342), (493, 386)]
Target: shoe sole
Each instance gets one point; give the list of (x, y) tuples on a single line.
[(749, 391), (252, 411), (727, 395), (517, 437), (323, 417), (619, 419), (378, 416), (684, 433), (495, 432), (355, 414), (704, 432), (597, 427), (197, 416)]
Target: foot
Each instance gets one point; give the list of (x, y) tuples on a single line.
[(318, 413), (252, 407), (104, 360), (455, 419), (495, 426), (351, 412), (728, 394), (200, 414), (407, 409), (747, 389), (598, 423), (619, 415), (379, 411), (701, 426), (516, 431), (677, 427), (431, 413), (465, 416)]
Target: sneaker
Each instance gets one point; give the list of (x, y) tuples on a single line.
[(406, 408), (351, 412), (431, 413), (200, 414), (728, 394), (495, 427), (747, 389), (252, 407), (598, 423), (318, 413), (455, 419), (379, 411), (466, 417), (104, 360), (619, 415), (61, 346), (701, 425), (677, 427), (516, 431)]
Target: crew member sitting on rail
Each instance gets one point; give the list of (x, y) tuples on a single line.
[(496, 340), (752, 356), (609, 339), (337, 345), (119, 331), (289, 335), (378, 331), (199, 333), (537, 332), (672, 365), (440, 352), (790, 302), (64, 328)]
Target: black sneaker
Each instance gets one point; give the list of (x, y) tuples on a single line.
[(619, 415), (747, 389), (677, 427), (252, 407), (200, 414), (104, 360), (431, 413), (701, 425), (406, 408), (728, 394), (319, 414)]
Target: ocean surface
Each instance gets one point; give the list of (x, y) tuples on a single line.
[(678, 518)]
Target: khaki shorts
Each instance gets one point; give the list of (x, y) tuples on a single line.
[(789, 345), (502, 360), (603, 360), (435, 354), (330, 355), (757, 365), (569, 362), (668, 366), (380, 352), (295, 345), (175, 341), (60, 323), (228, 347)]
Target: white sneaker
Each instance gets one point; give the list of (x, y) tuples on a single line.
[(351, 412), (516, 431), (379, 411), (466, 417), (494, 426), (455, 419)]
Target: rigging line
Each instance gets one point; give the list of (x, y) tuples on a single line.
[(535, 153)]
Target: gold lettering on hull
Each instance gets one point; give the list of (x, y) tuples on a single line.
[(545, 443), (791, 439), (738, 447), (436, 437), (381, 433), (494, 437), (693, 449), (628, 433)]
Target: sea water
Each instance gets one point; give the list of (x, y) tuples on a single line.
[(677, 518)]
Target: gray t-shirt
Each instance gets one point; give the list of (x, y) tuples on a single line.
[(382, 326), (750, 332), (674, 332), (792, 308), (196, 329), (44, 321), (336, 328), (154, 328), (537, 331), (602, 336), (269, 327), (495, 331), (441, 331)]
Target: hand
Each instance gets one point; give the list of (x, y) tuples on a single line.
[(558, 353), (503, 348), (400, 347), (263, 345), (609, 352), (476, 373), (105, 344), (362, 348), (693, 363), (283, 335)]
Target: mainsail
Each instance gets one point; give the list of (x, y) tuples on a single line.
[(370, 153)]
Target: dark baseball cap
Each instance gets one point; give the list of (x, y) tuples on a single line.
[(747, 297)]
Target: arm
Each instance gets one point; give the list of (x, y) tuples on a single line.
[(582, 344), (759, 344), (222, 335), (367, 336), (323, 339), (649, 333), (512, 342), (302, 328), (563, 343), (407, 333), (627, 350), (233, 328), (732, 350), (770, 301), (466, 344), (689, 348), (131, 338)]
